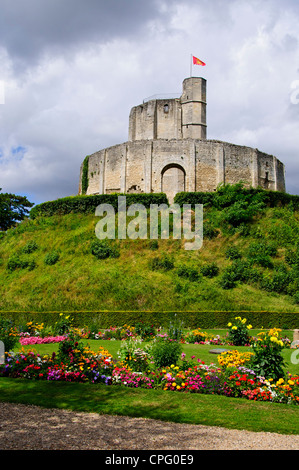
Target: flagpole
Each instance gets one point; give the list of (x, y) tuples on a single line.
[(191, 66)]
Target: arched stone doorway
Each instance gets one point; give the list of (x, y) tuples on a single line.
[(173, 180)]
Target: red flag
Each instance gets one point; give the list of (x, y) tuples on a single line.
[(196, 61)]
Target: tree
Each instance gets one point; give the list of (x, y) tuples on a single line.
[(13, 209)]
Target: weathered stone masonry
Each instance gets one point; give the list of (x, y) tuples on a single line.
[(168, 151)]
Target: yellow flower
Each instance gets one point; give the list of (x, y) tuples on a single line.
[(234, 328), (291, 382), (229, 324), (173, 384), (178, 387), (249, 327), (244, 320)]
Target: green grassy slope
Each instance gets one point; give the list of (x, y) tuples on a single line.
[(79, 281)]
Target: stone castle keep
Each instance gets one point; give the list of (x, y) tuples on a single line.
[(168, 151)]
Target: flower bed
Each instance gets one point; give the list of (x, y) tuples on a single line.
[(149, 358), (25, 340), (75, 362)]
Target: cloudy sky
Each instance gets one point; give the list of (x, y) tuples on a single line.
[(71, 70)]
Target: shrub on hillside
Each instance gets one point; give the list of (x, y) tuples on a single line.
[(240, 213), (188, 272), (16, 262), (262, 248), (233, 252), (161, 263), (51, 258), (209, 270), (227, 280), (278, 281), (209, 231), (88, 204), (153, 245), (103, 249), (30, 247), (292, 257)]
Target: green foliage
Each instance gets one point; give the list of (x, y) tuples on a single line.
[(227, 280), (278, 281), (238, 332), (175, 328), (51, 258), (241, 212), (16, 262), (145, 331), (84, 182), (153, 244), (209, 231), (30, 247), (239, 271), (267, 360), (71, 349), (165, 352), (8, 334), (103, 249), (292, 257), (88, 204), (63, 324), (232, 253), (261, 248), (13, 209), (188, 272), (209, 270), (190, 319), (133, 356), (226, 195), (161, 263)]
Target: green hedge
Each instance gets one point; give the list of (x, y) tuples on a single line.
[(88, 204), (204, 319), (229, 194)]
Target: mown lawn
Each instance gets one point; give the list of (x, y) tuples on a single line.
[(211, 410)]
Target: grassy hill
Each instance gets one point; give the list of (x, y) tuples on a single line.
[(249, 261)]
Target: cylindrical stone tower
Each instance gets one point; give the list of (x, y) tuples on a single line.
[(194, 103)]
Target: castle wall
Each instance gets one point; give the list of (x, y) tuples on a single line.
[(139, 166)]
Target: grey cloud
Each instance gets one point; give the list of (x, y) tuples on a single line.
[(29, 28)]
